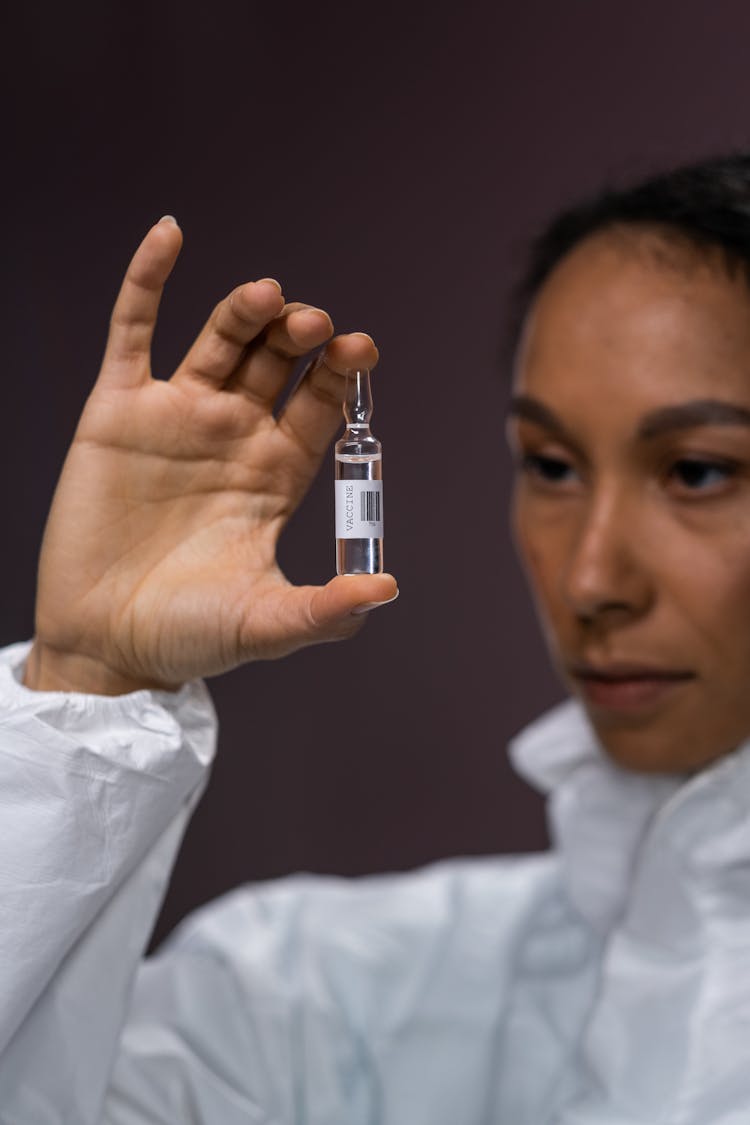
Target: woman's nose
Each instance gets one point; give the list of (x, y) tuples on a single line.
[(606, 571)]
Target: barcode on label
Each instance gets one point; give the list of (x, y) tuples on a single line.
[(369, 504)]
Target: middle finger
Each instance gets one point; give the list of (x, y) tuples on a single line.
[(269, 361)]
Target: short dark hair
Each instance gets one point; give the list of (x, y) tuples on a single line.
[(706, 204)]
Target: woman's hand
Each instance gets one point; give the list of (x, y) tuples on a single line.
[(158, 562)]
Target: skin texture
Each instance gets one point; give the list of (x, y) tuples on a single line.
[(633, 551), (158, 562)]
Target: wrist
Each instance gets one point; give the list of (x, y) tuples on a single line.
[(49, 669)]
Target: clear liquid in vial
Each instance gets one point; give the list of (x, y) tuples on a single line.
[(359, 556)]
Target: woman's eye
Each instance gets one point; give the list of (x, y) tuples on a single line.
[(549, 469), (700, 476)]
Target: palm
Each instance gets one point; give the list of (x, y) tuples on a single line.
[(159, 553)]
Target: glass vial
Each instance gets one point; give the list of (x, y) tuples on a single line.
[(359, 484)]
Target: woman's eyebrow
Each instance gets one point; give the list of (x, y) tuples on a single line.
[(525, 406), (685, 415), (697, 412)]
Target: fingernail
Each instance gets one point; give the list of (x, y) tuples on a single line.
[(367, 606), (272, 280), (168, 219)]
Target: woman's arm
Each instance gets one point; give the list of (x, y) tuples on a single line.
[(95, 794), (158, 567)]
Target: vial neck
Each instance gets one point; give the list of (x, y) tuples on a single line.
[(358, 402)]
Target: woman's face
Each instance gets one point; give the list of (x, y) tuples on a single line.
[(630, 425)]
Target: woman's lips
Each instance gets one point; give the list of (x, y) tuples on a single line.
[(632, 693)]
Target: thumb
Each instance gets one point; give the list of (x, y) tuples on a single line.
[(351, 595), (314, 614)]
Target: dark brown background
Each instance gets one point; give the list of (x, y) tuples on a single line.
[(388, 163)]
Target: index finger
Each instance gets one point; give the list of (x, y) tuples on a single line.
[(127, 355), (313, 414)]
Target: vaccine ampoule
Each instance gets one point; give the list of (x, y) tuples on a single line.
[(359, 484)]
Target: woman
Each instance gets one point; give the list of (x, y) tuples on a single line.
[(604, 982)]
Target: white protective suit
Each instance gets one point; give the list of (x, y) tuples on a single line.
[(606, 982)]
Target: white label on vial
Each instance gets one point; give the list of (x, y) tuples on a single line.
[(359, 509)]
